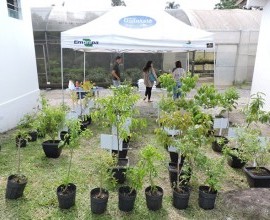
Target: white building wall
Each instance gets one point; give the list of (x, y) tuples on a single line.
[(18, 73), (261, 75), (235, 56)]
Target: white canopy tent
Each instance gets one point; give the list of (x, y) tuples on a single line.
[(127, 30)]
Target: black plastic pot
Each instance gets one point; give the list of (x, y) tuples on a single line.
[(258, 178), (235, 162), (66, 198), (126, 200), (62, 137), (217, 147), (181, 199), (99, 204), (154, 201), (51, 148), (123, 152), (174, 158), (207, 199), (20, 142), (15, 186), (33, 136)]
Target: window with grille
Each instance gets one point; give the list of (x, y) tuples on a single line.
[(14, 9)]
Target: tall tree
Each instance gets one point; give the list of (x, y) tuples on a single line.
[(226, 4), (172, 5), (118, 3)]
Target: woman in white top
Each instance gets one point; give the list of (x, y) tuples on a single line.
[(178, 72)]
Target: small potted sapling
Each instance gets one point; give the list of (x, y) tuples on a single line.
[(255, 149), (17, 182), (214, 171), (116, 110), (208, 98), (50, 121), (101, 164), (28, 123), (66, 192), (149, 156), (87, 86), (127, 194)]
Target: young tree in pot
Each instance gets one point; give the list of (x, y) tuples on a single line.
[(66, 192), (191, 146), (214, 171), (102, 161), (49, 121), (85, 116), (115, 111), (149, 155), (17, 182), (28, 123), (127, 194), (253, 148)]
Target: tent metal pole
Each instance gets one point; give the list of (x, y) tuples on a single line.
[(187, 61), (214, 62), (62, 76), (84, 66)]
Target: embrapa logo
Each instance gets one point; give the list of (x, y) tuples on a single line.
[(86, 42)]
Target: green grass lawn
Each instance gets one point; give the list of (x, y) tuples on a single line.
[(45, 174)]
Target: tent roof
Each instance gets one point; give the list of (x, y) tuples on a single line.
[(123, 29)]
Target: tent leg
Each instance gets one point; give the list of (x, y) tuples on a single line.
[(62, 76), (83, 66)]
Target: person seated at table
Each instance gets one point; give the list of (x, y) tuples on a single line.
[(77, 84)]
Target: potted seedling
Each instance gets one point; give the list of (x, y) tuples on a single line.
[(214, 171), (190, 147), (102, 161), (49, 121), (236, 155), (127, 194), (253, 148), (28, 123), (149, 157), (116, 110), (66, 192), (16, 182), (87, 101)]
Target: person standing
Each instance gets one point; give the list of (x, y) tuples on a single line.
[(116, 71), (149, 76), (178, 72)]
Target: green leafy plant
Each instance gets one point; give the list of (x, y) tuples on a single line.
[(228, 100), (207, 96), (73, 138), (214, 170), (116, 109), (249, 147), (149, 155), (50, 119), (188, 82), (102, 162), (254, 112), (167, 81), (134, 177)]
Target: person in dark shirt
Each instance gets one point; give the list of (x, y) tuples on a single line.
[(116, 72)]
